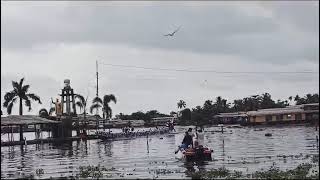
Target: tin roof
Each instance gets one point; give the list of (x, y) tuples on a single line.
[(236, 114), (25, 120), (275, 111)]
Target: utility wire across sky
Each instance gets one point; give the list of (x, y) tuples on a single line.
[(212, 71)]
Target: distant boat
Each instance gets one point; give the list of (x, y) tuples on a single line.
[(173, 132), (235, 126), (268, 134)]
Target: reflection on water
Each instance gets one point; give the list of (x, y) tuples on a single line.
[(238, 149)]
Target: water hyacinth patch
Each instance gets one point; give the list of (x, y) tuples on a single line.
[(300, 172)]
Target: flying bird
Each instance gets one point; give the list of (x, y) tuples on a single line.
[(171, 34)]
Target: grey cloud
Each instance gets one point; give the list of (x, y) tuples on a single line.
[(51, 42), (214, 28)]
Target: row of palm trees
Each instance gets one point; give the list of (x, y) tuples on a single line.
[(252, 103), (20, 93)]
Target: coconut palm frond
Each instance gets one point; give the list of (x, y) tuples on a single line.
[(9, 108), (34, 97), (181, 104), (109, 98), (25, 88), (94, 106), (80, 97), (8, 97), (15, 86), (97, 100), (28, 104), (21, 82), (43, 112), (78, 103)]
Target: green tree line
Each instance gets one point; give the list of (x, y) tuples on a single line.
[(203, 114), (197, 115)]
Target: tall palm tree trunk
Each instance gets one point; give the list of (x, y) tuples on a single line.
[(20, 107), (20, 113)]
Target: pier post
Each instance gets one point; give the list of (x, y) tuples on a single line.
[(21, 132), (67, 126), (147, 142), (78, 127)]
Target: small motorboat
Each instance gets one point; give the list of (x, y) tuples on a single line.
[(197, 154), (235, 126), (268, 134), (172, 132)]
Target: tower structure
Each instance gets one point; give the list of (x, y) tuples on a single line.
[(67, 100)]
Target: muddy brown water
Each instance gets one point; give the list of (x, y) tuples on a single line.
[(242, 149)]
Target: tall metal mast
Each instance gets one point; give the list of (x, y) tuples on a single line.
[(97, 94), (97, 78)]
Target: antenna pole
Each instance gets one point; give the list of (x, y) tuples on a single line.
[(97, 78), (97, 94)]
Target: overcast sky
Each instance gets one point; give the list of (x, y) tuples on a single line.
[(47, 42)]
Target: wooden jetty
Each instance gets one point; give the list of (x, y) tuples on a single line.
[(17, 121), (100, 135), (48, 140)]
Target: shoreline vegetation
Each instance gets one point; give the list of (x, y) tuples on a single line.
[(199, 115), (309, 170), (302, 171), (202, 115)]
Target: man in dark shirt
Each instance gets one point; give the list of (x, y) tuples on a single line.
[(187, 140)]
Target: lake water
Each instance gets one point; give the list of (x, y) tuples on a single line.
[(241, 149)]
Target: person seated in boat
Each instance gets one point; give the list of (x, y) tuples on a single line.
[(187, 140)]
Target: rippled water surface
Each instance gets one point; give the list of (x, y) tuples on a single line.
[(241, 149)]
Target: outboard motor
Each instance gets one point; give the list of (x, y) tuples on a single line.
[(199, 153)]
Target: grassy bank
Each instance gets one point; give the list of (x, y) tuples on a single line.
[(303, 171)]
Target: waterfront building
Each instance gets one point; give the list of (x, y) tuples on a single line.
[(304, 113), (162, 121), (230, 118), (295, 114)]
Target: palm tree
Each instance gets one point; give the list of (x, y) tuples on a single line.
[(106, 108), (44, 113), (181, 104), (82, 103), (19, 92), (98, 103)]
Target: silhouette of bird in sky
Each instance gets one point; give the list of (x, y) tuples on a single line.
[(171, 34)]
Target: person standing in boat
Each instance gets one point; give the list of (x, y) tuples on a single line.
[(199, 138)]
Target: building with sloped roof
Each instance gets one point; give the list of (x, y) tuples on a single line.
[(297, 113)]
